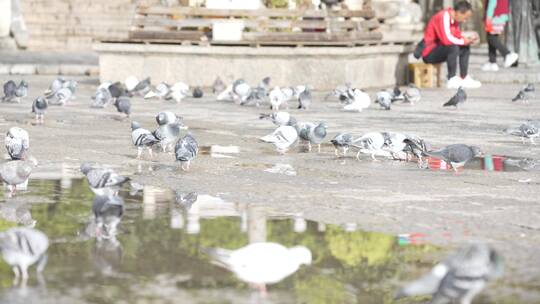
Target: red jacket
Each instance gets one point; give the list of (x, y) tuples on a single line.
[(441, 30)]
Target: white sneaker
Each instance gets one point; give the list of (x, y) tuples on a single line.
[(510, 59), (490, 67), (469, 83), (454, 82)]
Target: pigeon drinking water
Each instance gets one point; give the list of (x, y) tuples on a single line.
[(142, 138), (459, 98), (457, 155), (103, 181), (39, 107), (21, 248), (186, 150), (459, 278)]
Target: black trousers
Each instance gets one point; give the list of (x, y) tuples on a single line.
[(451, 54), (494, 45)]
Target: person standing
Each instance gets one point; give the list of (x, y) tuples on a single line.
[(443, 42), (496, 17)]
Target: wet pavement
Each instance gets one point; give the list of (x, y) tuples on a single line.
[(362, 205)]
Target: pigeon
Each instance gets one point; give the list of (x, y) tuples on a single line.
[(162, 91), (261, 263), (397, 94), (117, 89), (356, 100), (384, 99), (370, 143), (39, 107), (22, 90), (103, 181), (178, 92), (142, 138), (343, 141), (167, 117), (394, 143), (131, 82), (168, 134), (313, 134), (256, 97), (304, 99), (459, 98), (186, 200), (61, 97), (17, 143), (15, 172), (412, 94), (416, 146), (218, 86), (123, 105), (460, 277), (22, 247), (197, 92), (457, 155), (265, 83), (10, 88), (227, 94), (108, 211), (280, 118), (341, 93), (241, 90), (102, 98), (525, 94), (55, 86), (72, 86), (142, 88), (186, 150), (282, 138), (530, 129), (278, 98)]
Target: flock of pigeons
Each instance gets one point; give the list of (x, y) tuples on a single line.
[(460, 277)]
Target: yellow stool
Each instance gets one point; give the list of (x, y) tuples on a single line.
[(422, 74)]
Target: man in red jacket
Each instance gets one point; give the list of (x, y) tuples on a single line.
[(444, 42)]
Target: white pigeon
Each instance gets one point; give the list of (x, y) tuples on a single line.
[(131, 82), (282, 138), (279, 97), (226, 94), (261, 263), (360, 100), (370, 143), (161, 91), (17, 143), (280, 118), (179, 91), (394, 143)]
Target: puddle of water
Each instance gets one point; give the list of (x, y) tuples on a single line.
[(158, 256)]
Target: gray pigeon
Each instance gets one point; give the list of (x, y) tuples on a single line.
[(123, 105), (197, 92), (397, 94), (304, 99), (142, 138), (241, 90), (343, 141), (186, 150), (417, 147), (186, 200), (384, 99), (412, 94), (459, 278), (529, 129), (10, 88), (459, 98), (525, 94), (117, 89), (21, 248), (456, 155), (103, 181), (61, 97), (101, 99), (280, 118), (15, 172), (22, 89), (168, 134), (256, 97), (17, 143), (108, 211), (218, 86), (167, 117), (142, 88), (39, 107), (55, 86), (313, 134)]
